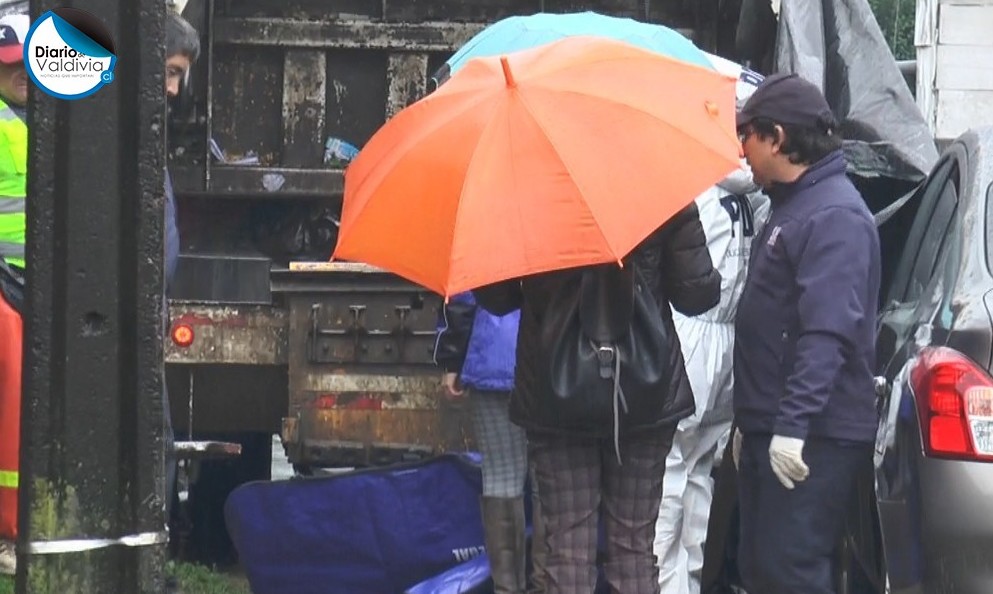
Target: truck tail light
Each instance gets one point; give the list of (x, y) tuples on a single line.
[(954, 404), (182, 335)]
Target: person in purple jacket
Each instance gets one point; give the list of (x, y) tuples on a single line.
[(805, 338), (477, 351)]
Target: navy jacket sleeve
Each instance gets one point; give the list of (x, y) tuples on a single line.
[(831, 252), (455, 320), (171, 234)]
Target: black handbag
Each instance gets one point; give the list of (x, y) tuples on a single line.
[(607, 348)]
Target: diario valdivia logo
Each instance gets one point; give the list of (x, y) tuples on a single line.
[(69, 54)]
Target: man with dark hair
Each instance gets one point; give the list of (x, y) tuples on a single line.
[(805, 336), (182, 49)]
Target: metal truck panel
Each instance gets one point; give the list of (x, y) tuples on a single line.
[(368, 318), (289, 33), (241, 280), (249, 335), (363, 385), (278, 79), (357, 431)]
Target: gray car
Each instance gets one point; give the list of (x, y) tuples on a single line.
[(925, 523)]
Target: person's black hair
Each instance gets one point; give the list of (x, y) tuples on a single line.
[(803, 145), (181, 38)]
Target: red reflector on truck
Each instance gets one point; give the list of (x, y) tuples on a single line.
[(182, 335)]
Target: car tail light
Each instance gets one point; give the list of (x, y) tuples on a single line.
[(182, 335), (954, 404)]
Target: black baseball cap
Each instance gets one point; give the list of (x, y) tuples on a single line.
[(788, 99)]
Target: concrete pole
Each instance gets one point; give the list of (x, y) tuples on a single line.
[(91, 509)]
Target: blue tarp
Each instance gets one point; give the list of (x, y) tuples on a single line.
[(377, 531), (471, 577)]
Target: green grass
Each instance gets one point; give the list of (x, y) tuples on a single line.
[(193, 579), (197, 579)]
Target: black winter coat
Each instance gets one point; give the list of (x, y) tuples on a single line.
[(676, 265)]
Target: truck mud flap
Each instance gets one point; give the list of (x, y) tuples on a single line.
[(374, 429)]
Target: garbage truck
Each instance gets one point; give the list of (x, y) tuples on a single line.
[(269, 338)]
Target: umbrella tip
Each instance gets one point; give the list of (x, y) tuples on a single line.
[(507, 74)]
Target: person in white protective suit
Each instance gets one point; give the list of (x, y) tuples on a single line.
[(732, 213)]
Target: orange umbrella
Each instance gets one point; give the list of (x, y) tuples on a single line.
[(559, 156)]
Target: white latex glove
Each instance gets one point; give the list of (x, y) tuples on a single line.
[(736, 440), (786, 456)]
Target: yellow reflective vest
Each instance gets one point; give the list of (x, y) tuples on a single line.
[(13, 178)]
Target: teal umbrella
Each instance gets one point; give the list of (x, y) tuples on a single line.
[(523, 32)]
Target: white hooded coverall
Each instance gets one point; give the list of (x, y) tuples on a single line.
[(732, 213)]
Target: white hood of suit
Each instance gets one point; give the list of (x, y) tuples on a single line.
[(739, 181)]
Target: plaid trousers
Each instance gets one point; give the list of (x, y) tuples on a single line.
[(502, 444), (579, 483)]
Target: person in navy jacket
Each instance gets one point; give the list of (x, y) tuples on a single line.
[(477, 351), (805, 336), (182, 50)]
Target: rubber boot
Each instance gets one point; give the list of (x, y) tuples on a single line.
[(539, 548), (503, 528)]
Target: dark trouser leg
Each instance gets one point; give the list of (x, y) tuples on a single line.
[(503, 528), (632, 493), (539, 544), (567, 472), (788, 536), (750, 490)]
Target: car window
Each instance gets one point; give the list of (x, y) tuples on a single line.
[(935, 237), (923, 237), (946, 273)]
